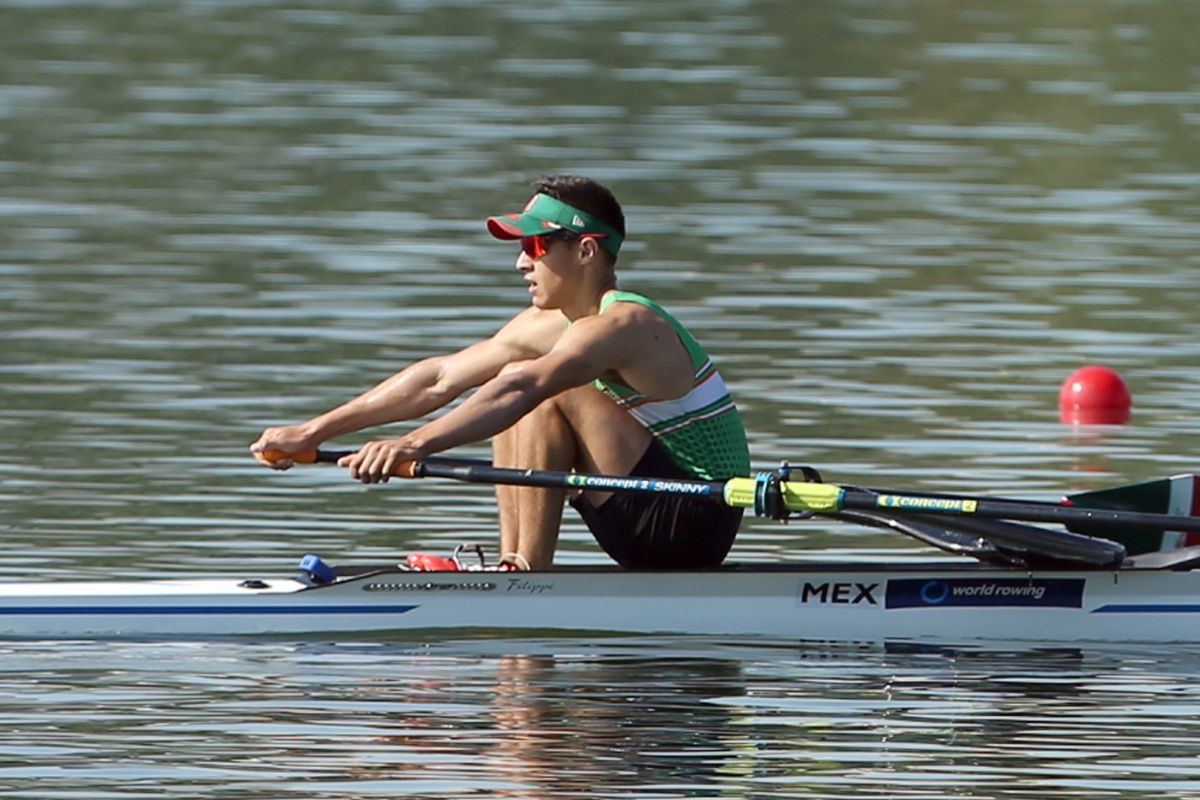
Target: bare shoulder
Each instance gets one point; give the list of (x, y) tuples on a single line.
[(628, 336), (630, 323), (628, 343)]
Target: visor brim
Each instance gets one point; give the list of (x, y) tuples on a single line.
[(517, 226)]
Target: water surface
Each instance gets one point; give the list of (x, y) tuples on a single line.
[(898, 227)]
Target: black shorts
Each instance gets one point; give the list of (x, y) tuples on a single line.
[(658, 531)]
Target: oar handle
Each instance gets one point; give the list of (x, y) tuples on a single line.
[(405, 469), (306, 456)]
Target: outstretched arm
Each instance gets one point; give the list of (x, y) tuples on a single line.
[(585, 351), (416, 390)]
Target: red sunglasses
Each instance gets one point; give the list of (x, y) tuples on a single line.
[(538, 246), (535, 246)]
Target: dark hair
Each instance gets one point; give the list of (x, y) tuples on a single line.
[(585, 194)]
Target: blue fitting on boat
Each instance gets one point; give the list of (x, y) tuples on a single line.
[(315, 572)]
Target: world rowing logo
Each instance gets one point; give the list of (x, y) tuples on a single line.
[(975, 592), (935, 593)]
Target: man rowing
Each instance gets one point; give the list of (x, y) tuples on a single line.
[(588, 378)]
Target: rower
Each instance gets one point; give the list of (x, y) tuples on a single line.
[(589, 377)]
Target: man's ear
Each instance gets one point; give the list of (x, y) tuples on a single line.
[(589, 248)]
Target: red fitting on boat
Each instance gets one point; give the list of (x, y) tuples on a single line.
[(427, 562)]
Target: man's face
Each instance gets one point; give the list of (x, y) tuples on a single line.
[(548, 264)]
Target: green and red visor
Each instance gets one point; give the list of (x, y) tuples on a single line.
[(544, 214)]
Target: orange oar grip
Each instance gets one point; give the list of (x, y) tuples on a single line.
[(303, 457), (405, 469)]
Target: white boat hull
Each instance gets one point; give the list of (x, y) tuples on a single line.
[(944, 602)]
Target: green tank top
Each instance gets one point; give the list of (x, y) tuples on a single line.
[(702, 430)]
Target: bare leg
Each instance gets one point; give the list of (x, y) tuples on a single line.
[(504, 454), (540, 440), (580, 429)]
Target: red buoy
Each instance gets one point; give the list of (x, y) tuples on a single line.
[(1094, 395)]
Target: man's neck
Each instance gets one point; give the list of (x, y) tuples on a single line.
[(589, 298)]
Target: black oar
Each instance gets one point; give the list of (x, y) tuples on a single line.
[(475, 471), (793, 496)]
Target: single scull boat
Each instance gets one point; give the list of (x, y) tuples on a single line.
[(1030, 584), (1153, 598)]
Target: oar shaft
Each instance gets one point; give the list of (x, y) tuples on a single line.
[(479, 472), (866, 500), (798, 496), (474, 471)]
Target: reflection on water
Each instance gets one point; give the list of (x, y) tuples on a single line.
[(572, 718), (899, 226)]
